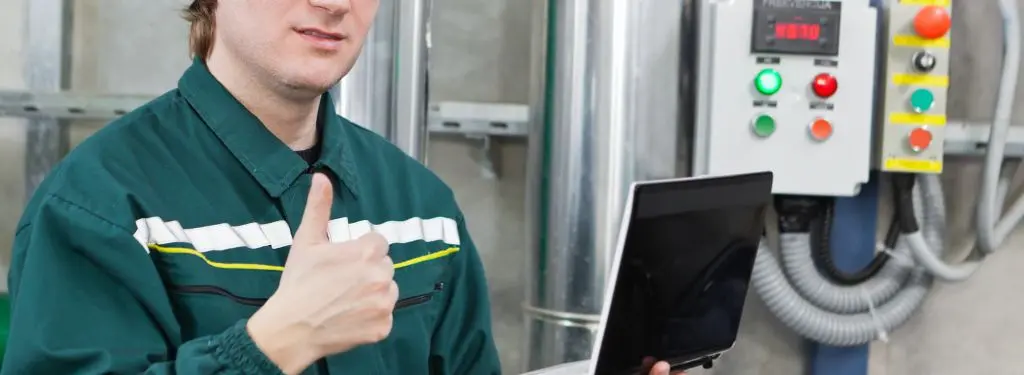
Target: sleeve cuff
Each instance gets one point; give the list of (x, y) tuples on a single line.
[(235, 349)]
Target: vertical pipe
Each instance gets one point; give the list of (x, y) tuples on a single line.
[(536, 173), (702, 97), (599, 125), (413, 44), (47, 65), (365, 95)]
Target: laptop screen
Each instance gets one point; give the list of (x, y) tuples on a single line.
[(686, 265)]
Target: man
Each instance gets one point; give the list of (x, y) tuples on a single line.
[(235, 225)]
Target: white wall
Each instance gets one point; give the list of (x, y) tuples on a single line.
[(481, 53)]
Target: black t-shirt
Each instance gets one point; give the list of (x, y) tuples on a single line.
[(312, 154)]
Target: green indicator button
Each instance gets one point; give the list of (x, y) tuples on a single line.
[(921, 100), (768, 82), (763, 125)]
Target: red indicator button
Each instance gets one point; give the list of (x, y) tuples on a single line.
[(820, 129), (932, 22), (824, 85), (919, 139)]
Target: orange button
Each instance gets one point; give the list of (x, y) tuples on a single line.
[(932, 22), (820, 129), (919, 139)]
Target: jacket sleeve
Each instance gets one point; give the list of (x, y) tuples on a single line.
[(86, 298), (463, 343)]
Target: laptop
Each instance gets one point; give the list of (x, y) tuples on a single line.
[(681, 271)]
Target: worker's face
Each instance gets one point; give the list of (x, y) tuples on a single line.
[(303, 45)]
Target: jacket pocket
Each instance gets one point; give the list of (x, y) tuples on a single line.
[(217, 291), (418, 299), (203, 310)]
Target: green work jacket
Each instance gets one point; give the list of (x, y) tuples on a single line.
[(147, 248)]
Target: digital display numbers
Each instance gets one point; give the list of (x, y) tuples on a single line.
[(797, 31), (804, 27)]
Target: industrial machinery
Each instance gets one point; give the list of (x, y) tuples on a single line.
[(832, 96), (790, 90), (916, 84)]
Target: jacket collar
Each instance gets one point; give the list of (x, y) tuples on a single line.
[(265, 157)]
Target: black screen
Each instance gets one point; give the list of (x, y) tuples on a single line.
[(685, 269), (805, 27)]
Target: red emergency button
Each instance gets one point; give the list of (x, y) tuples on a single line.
[(932, 22), (824, 85), (820, 129), (919, 139)]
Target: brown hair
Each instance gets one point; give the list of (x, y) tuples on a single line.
[(200, 33)]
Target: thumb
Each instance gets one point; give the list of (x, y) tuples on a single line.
[(313, 228)]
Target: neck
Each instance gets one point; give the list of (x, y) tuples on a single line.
[(291, 119)]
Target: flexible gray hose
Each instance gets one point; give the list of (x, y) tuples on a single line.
[(825, 294), (990, 234), (925, 254), (837, 329), (798, 265)]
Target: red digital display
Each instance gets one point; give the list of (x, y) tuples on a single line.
[(797, 31)]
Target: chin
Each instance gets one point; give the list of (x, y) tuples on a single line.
[(312, 83)]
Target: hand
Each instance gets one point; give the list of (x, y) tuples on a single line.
[(331, 297), (658, 368)]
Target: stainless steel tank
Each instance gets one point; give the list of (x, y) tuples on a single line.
[(606, 107)]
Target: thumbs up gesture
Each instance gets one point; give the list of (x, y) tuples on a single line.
[(332, 296)]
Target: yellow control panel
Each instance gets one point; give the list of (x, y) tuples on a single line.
[(916, 86)]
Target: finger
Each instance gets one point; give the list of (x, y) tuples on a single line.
[(393, 292), (661, 368), (313, 228), (375, 244), (389, 267)]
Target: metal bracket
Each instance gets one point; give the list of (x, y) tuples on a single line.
[(971, 139), (480, 122), (67, 105)]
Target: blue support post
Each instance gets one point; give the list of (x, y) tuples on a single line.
[(853, 246)]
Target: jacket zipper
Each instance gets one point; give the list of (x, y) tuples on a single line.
[(418, 299), (213, 290)]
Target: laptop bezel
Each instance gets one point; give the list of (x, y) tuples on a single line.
[(620, 245)]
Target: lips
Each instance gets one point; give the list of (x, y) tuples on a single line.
[(317, 33)]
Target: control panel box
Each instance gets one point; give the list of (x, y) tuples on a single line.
[(916, 86), (792, 91)]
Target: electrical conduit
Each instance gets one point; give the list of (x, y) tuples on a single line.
[(845, 324), (995, 176)]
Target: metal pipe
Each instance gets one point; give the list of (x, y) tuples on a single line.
[(600, 122), (413, 42), (365, 94), (47, 68)]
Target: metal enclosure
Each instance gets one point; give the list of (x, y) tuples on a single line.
[(605, 114), (916, 86), (791, 90)]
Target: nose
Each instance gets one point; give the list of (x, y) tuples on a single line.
[(333, 6)]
